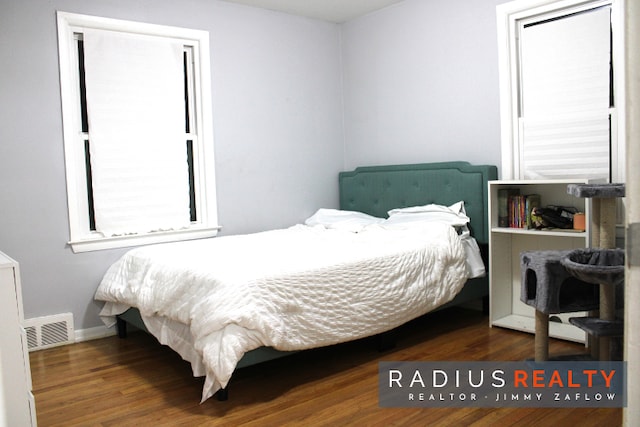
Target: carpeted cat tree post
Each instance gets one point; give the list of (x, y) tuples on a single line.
[(603, 264)]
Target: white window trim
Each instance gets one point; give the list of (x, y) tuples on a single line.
[(509, 17), (82, 239)]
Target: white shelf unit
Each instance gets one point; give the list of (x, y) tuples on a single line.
[(506, 244), (17, 405)]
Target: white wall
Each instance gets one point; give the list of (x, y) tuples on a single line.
[(421, 83), (277, 117), (277, 126)]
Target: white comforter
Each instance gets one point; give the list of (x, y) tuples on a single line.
[(291, 289)]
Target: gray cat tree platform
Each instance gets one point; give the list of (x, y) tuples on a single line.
[(549, 288), (579, 280), (603, 198)]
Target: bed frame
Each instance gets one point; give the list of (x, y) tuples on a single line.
[(377, 189)]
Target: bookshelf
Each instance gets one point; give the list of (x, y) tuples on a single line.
[(506, 243)]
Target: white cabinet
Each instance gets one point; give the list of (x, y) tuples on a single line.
[(506, 244), (17, 406)]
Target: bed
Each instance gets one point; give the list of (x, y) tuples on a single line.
[(348, 273)]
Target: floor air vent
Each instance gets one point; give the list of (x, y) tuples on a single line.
[(49, 331)]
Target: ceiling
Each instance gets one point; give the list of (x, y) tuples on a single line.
[(337, 11)]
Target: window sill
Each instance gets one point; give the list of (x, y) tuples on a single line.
[(100, 243)]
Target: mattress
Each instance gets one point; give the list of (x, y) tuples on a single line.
[(302, 287)]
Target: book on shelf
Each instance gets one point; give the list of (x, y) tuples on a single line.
[(531, 201), (519, 208), (504, 195)]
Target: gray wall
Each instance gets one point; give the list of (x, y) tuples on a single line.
[(276, 87), (420, 84)]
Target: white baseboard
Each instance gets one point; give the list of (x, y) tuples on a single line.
[(94, 333)]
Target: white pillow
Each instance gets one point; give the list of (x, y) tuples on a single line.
[(454, 215), (457, 208), (342, 220)]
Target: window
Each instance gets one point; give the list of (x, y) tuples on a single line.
[(558, 88), (137, 132)]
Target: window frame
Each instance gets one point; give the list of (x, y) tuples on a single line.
[(510, 16), (82, 239)]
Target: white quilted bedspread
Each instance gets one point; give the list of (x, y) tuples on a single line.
[(291, 289)]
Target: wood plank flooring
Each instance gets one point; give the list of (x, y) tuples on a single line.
[(138, 382)]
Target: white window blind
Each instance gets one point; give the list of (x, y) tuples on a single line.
[(135, 99), (565, 96)]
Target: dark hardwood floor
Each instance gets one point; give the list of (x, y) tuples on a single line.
[(138, 382)]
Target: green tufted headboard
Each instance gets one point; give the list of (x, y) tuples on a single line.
[(377, 189)]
